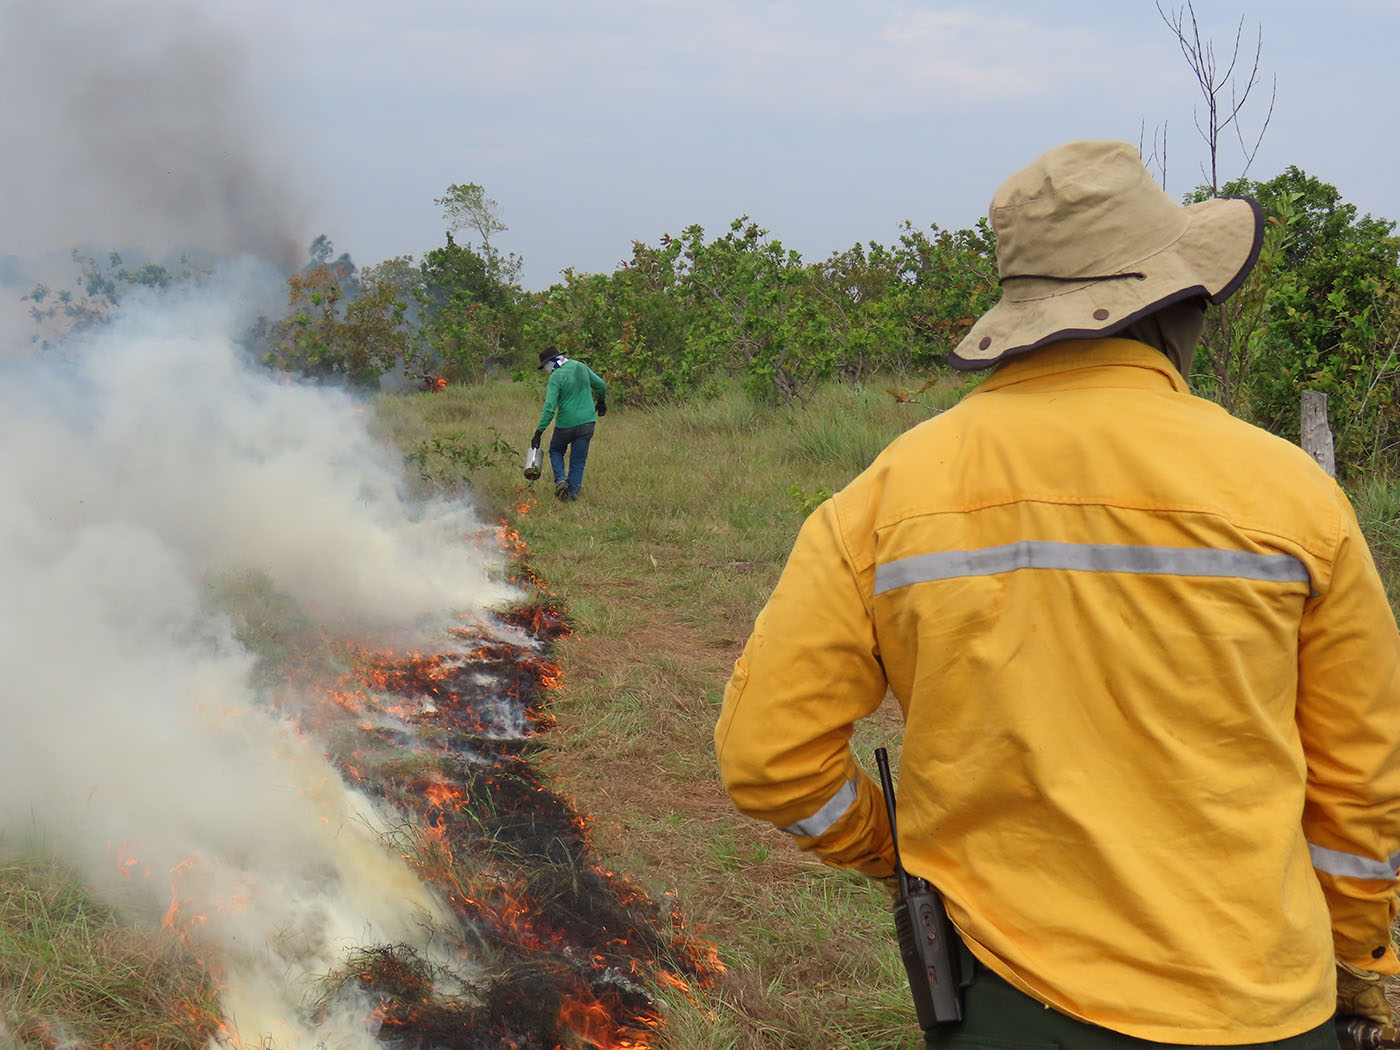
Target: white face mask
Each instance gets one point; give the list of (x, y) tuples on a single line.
[(552, 365)]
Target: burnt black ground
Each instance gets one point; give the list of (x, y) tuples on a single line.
[(569, 954)]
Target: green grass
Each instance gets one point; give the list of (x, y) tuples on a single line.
[(1377, 501)]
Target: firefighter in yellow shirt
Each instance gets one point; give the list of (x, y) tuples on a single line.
[(1149, 675)]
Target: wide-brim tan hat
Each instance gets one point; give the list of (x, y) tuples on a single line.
[(1088, 243)]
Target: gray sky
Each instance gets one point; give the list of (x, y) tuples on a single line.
[(601, 122)]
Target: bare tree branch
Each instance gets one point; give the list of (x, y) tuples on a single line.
[(1212, 81), (1158, 157), (1250, 151)]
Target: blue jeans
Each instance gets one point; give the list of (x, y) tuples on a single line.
[(576, 439)]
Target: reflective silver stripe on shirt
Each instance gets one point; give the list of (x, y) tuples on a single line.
[(1335, 863), (820, 822), (1089, 557)]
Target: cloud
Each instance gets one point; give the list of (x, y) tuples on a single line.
[(762, 58)]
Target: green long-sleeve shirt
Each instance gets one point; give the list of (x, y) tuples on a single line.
[(573, 388)]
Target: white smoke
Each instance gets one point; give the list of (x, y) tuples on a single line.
[(149, 464), (138, 469)]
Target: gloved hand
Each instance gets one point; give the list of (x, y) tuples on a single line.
[(535, 441), (602, 408), (1361, 993)]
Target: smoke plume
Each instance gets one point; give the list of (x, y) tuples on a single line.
[(139, 125), (144, 467), (141, 467)]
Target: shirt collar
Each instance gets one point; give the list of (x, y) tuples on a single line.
[(1071, 355)]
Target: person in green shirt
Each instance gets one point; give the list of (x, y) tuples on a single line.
[(578, 396)]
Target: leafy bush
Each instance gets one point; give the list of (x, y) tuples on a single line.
[(679, 314), (452, 459), (338, 328), (1322, 312), (471, 316)]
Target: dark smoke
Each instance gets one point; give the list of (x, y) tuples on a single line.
[(140, 126)]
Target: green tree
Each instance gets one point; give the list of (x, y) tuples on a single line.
[(1329, 315), (753, 311), (1317, 312), (741, 304), (904, 307), (99, 289), (342, 325), (470, 319), (465, 206), (321, 249), (632, 325)]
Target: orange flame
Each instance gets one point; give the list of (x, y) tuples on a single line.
[(445, 794), (594, 1023)]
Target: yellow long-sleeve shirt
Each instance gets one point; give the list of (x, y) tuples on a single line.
[(1151, 685)]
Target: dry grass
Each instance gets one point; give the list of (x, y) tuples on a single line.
[(73, 974)]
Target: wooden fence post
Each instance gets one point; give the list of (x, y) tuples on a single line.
[(1317, 435)]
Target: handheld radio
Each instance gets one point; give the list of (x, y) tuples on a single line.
[(924, 931)]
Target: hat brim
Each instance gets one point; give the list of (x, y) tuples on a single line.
[(1214, 254)]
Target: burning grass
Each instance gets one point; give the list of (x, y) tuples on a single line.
[(538, 946), (518, 1008), (71, 974), (548, 949)]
